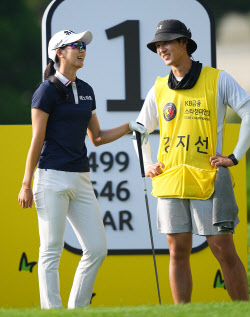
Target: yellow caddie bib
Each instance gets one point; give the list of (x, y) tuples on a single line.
[(188, 137)]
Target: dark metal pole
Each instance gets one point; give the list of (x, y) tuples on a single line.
[(138, 139)]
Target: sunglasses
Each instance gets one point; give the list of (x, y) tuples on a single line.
[(76, 45)]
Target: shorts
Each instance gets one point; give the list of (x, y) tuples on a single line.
[(176, 215)]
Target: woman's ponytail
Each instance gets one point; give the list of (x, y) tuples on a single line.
[(49, 74), (50, 70)]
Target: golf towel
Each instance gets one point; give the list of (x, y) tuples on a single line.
[(225, 209)]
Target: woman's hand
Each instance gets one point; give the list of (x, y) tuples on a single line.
[(25, 197), (220, 160), (134, 126), (155, 169)]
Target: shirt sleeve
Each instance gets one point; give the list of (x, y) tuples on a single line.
[(230, 92), (150, 119), (149, 113), (42, 98), (233, 95), (146, 153), (243, 143)]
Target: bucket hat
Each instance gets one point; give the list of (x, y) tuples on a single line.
[(168, 30)]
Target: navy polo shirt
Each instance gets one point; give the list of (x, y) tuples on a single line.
[(64, 146)]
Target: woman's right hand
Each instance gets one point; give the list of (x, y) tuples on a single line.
[(25, 197), (155, 169), (39, 124)]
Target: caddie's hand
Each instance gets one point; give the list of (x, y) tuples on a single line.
[(134, 126), (220, 160), (155, 169), (25, 197)]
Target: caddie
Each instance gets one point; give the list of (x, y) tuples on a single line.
[(191, 178)]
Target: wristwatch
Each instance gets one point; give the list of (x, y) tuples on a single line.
[(233, 158)]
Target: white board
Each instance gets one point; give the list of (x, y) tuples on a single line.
[(121, 71)]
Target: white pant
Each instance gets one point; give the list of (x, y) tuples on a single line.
[(57, 195)]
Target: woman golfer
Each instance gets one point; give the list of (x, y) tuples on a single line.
[(63, 112)]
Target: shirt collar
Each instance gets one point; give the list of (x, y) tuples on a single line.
[(62, 78)]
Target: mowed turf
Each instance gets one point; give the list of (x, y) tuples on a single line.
[(241, 309)]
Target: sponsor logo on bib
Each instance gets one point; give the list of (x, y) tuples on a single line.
[(169, 111)]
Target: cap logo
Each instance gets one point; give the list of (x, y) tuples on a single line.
[(68, 32), (169, 111), (58, 44), (159, 27)]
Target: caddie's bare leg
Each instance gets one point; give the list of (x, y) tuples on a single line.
[(235, 277), (180, 278)]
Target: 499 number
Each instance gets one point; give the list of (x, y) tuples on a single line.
[(108, 159)]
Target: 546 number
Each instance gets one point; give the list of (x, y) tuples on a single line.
[(121, 192)]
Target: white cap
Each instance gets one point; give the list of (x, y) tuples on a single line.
[(65, 37)]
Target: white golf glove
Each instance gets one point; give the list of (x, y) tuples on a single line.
[(134, 126)]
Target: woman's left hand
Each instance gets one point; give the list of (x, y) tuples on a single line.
[(134, 126), (220, 160)]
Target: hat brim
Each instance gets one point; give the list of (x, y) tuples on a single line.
[(85, 37), (163, 37)]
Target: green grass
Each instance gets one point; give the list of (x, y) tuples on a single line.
[(241, 309)]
